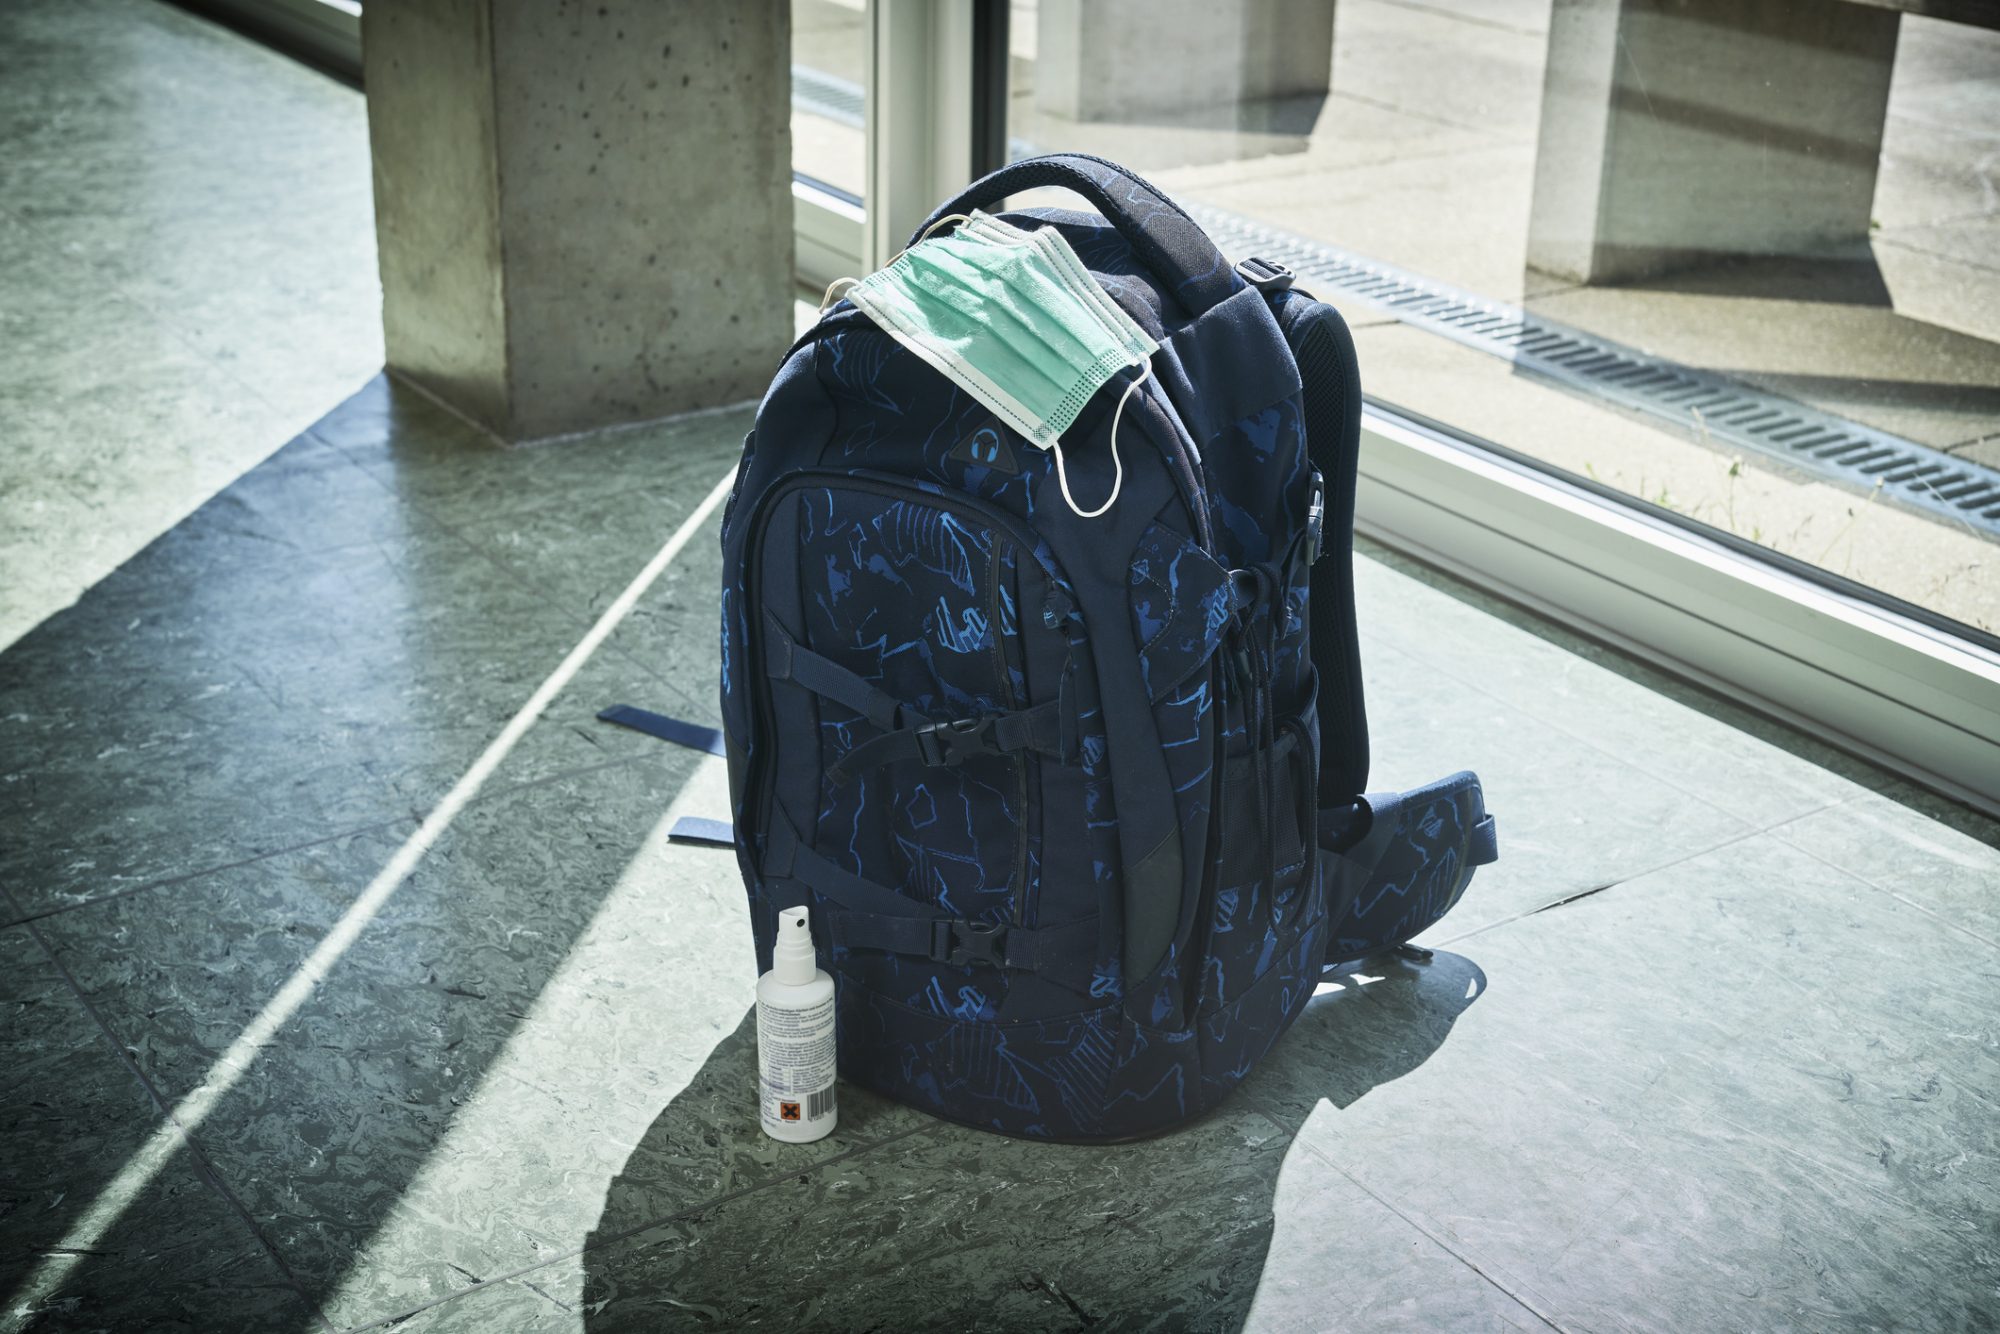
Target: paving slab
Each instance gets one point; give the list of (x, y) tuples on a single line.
[(956, 1229), (457, 1094), (1585, 691), (72, 1113), (1749, 1089)]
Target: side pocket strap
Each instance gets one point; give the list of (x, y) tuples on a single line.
[(791, 661), (872, 916)]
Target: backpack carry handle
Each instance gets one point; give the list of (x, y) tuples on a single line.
[(1169, 242)]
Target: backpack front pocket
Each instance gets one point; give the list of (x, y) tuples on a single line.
[(923, 709)]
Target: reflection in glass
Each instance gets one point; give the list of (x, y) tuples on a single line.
[(1740, 261), (829, 55)]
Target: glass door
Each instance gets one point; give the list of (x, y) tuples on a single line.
[(830, 58), (1745, 270), (1680, 324)]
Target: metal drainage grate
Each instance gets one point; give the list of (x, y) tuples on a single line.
[(1725, 409), (820, 94)]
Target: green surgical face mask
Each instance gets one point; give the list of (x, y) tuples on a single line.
[(1014, 319)]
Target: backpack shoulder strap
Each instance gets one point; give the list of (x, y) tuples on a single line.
[(1331, 381)]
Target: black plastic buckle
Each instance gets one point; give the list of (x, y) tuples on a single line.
[(960, 943), (1266, 275), (949, 743)]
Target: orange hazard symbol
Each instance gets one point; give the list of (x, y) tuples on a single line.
[(788, 1111)]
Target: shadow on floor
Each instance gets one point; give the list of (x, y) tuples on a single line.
[(218, 747), (947, 1227), (1842, 276)]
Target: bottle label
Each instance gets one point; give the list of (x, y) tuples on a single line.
[(795, 1053)]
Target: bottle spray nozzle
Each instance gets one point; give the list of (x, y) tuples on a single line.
[(792, 954)]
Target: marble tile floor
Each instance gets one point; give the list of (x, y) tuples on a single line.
[(187, 276), (1713, 1046)]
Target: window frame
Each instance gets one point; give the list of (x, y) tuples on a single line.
[(1778, 637), (1839, 662)]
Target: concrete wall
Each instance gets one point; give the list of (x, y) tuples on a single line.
[(1107, 59), (584, 209), (1676, 132)]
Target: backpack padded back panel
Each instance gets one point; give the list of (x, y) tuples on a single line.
[(1052, 786)]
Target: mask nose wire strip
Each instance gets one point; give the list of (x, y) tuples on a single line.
[(829, 298), (1118, 477)]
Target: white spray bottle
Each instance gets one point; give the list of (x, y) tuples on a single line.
[(795, 1046)]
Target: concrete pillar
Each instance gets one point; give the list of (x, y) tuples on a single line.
[(1676, 132), (583, 210), (1114, 59)]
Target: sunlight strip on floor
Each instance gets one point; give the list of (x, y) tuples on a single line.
[(658, 976), (139, 1170)]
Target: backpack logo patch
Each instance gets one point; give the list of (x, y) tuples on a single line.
[(986, 447)]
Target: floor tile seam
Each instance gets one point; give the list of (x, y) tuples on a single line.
[(694, 704), (1851, 1177), (205, 1168), (389, 822), (553, 596), (546, 593), (1592, 892), (626, 1234), (146, 307), (165, 319), (550, 595), (1256, 1105), (348, 452), (1624, 760), (1864, 878), (1447, 1247)]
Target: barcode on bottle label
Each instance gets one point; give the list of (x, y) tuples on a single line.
[(819, 1104)]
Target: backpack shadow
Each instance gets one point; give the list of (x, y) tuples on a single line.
[(913, 1223)]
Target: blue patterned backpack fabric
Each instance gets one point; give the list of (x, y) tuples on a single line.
[(1077, 804)]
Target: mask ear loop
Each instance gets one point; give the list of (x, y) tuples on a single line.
[(949, 217), (1118, 477), (829, 298)]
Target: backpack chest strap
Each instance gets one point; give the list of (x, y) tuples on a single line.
[(908, 734), (950, 743), (871, 916)]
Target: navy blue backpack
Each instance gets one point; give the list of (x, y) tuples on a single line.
[(1077, 804)]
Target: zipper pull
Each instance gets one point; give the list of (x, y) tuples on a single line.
[(1315, 519)]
